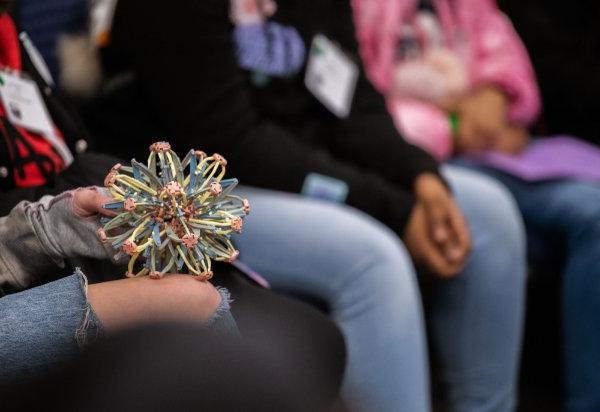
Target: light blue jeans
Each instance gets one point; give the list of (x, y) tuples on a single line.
[(362, 272), (42, 327), (569, 210)]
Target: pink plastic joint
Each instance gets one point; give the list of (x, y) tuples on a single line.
[(215, 188)]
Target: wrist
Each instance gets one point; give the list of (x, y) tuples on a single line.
[(493, 91), (427, 185)]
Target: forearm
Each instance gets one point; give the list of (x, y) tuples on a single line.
[(273, 158), (369, 138), (505, 63), (37, 238), (208, 103), (372, 141), (10, 198)]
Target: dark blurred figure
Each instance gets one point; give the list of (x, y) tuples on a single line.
[(563, 40), (177, 368), (34, 162), (419, 53)]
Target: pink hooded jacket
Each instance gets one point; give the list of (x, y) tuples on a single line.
[(494, 55)]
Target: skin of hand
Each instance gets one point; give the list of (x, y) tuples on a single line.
[(437, 235), (126, 302), (88, 202), (512, 140), (483, 117)]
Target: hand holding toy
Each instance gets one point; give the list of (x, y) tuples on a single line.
[(176, 221)]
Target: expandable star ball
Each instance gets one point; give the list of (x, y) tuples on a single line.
[(171, 221)]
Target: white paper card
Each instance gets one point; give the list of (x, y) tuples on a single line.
[(25, 107), (24, 104), (331, 76)]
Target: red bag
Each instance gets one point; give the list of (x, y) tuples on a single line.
[(33, 158)]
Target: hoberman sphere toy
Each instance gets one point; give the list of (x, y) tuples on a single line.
[(176, 222)]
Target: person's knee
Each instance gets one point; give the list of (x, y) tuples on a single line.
[(500, 214), (363, 242), (314, 237), (374, 264), (344, 241), (582, 215), (360, 234), (497, 264), (188, 297), (174, 298), (490, 209)]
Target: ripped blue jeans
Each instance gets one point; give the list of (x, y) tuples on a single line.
[(44, 326)]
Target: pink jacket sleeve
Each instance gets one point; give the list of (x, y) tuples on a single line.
[(499, 57)]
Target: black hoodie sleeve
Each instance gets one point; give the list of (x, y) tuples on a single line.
[(183, 58)]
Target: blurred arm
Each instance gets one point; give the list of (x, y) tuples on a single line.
[(368, 137), (502, 60), (184, 58), (38, 237)]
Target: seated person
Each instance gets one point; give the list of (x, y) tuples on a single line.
[(30, 173), (563, 43), (184, 71), (190, 367), (34, 162), (464, 60), (44, 327), (41, 326)]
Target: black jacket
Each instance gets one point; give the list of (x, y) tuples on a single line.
[(173, 76)]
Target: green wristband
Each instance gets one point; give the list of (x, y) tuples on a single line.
[(454, 121)]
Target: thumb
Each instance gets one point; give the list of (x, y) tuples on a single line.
[(89, 201)]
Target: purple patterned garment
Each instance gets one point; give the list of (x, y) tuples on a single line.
[(269, 48)]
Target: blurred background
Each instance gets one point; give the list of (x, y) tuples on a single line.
[(562, 40)]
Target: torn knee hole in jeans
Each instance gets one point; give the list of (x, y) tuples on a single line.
[(90, 328), (222, 320), (224, 305)]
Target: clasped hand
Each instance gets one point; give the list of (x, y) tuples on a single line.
[(484, 124), (437, 235)]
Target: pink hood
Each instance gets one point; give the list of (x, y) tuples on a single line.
[(496, 55)]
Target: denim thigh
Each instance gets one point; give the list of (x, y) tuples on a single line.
[(45, 325)]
